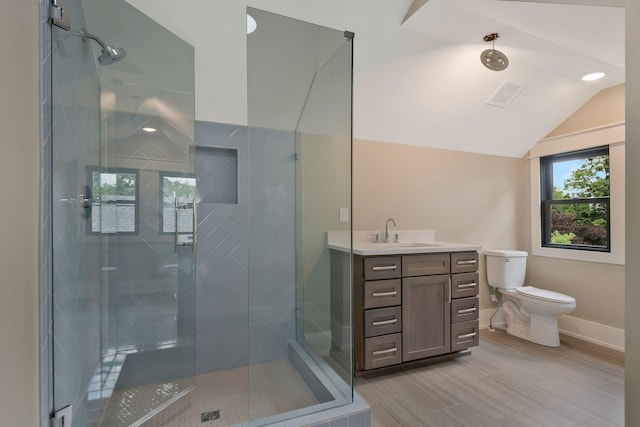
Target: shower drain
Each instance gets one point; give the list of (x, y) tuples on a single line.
[(209, 416)]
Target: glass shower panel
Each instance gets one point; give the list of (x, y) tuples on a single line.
[(323, 204), (76, 254), (299, 115), (124, 224)]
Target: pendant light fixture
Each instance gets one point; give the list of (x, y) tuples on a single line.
[(491, 58)]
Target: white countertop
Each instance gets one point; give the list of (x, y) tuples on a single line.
[(409, 242)]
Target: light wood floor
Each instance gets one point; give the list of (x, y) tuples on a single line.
[(506, 381)]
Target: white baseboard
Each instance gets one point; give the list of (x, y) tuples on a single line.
[(597, 333)]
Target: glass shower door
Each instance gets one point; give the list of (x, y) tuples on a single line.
[(299, 115), (123, 192)]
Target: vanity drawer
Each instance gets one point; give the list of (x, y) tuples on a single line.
[(464, 285), (464, 309), (464, 335), (382, 351), (423, 265), (463, 262), (381, 321), (383, 267), (382, 293)]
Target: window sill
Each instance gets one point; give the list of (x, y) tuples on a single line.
[(578, 255)]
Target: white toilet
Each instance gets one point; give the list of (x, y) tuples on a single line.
[(532, 313)]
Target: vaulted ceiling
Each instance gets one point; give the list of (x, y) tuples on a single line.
[(436, 94), (420, 82)]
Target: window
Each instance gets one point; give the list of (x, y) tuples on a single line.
[(114, 207), (561, 148), (177, 193), (575, 204)]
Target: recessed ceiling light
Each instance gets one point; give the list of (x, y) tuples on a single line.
[(593, 76), (149, 129), (251, 24)]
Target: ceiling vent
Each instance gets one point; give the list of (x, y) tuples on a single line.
[(505, 94)]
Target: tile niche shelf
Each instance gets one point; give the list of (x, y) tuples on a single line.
[(218, 167)]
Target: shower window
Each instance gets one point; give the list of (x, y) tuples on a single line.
[(178, 189), (114, 201)]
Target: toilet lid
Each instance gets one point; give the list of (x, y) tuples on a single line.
[(545, 294)]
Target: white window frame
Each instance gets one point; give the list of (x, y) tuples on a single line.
[(611, 135)]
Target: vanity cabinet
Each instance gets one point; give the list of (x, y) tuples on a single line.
[(412, 307)]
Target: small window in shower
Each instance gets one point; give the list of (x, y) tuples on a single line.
[(177, 190), (217, 170), (114, 201)]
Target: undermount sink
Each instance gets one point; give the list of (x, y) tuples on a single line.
[(403, 245)]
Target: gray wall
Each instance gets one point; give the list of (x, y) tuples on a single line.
[(271, 244), (245, 295), (221, 263)]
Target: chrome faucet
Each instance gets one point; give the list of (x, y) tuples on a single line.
[(386, 229)]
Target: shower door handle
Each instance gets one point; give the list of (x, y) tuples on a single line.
[(176, 236), (194, 237), (194, 241)]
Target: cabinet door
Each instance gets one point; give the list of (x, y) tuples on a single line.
[(426, 320)]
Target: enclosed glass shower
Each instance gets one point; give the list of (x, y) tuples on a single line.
[(190, 279)]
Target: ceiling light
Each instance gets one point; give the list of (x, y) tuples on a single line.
[(491, 58), (593, 76), (251, 24), (149, 129)]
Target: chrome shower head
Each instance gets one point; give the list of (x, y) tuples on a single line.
[(109, 54)]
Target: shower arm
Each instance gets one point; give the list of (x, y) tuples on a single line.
[(86, 35)]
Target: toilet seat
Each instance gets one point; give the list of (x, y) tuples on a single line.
[(545, 295)]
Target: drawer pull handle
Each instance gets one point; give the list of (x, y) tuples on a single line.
[(471, 335), (467, 285), (390, 350), (384, 294), (466, 262), (384, 322), (384, 268), (467, 310)]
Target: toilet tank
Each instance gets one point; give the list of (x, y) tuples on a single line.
[(506, 268)]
